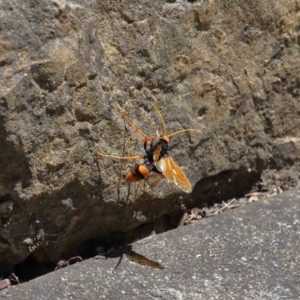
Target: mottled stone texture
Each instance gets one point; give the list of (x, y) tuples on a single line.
[(70, 68)]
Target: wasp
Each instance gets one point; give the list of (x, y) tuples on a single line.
[(157, 161)]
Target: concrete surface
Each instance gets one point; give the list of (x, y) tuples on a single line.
[(251, 252)]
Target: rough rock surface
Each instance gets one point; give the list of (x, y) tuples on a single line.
[(70, 68), (248, 253)]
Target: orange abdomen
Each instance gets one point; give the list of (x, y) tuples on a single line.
[(141, 172)]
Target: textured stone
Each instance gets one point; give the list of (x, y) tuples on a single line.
[(247, 253), (70, 68)]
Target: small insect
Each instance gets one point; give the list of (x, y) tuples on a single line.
[(157, 161)]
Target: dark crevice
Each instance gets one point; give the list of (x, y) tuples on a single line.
[(224, 186), (127, 18), (92, 76), (30, 269), (207, 192), (4, 62), (53, 110)]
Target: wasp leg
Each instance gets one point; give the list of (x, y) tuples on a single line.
[(99, 154), (148, 139), (135, 127), (152, 185)]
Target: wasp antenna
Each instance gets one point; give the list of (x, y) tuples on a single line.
[(161, 118), (184, 130), (130, 123), (157, 133), (99, 154)]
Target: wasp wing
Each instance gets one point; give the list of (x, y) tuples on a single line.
[(156, 154), (173, 173)]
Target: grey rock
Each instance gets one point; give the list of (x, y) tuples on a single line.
[(68, 69), (248, 253)]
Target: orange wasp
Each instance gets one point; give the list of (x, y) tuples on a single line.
[(157, 161)]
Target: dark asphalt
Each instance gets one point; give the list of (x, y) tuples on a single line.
[(252, 252)]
